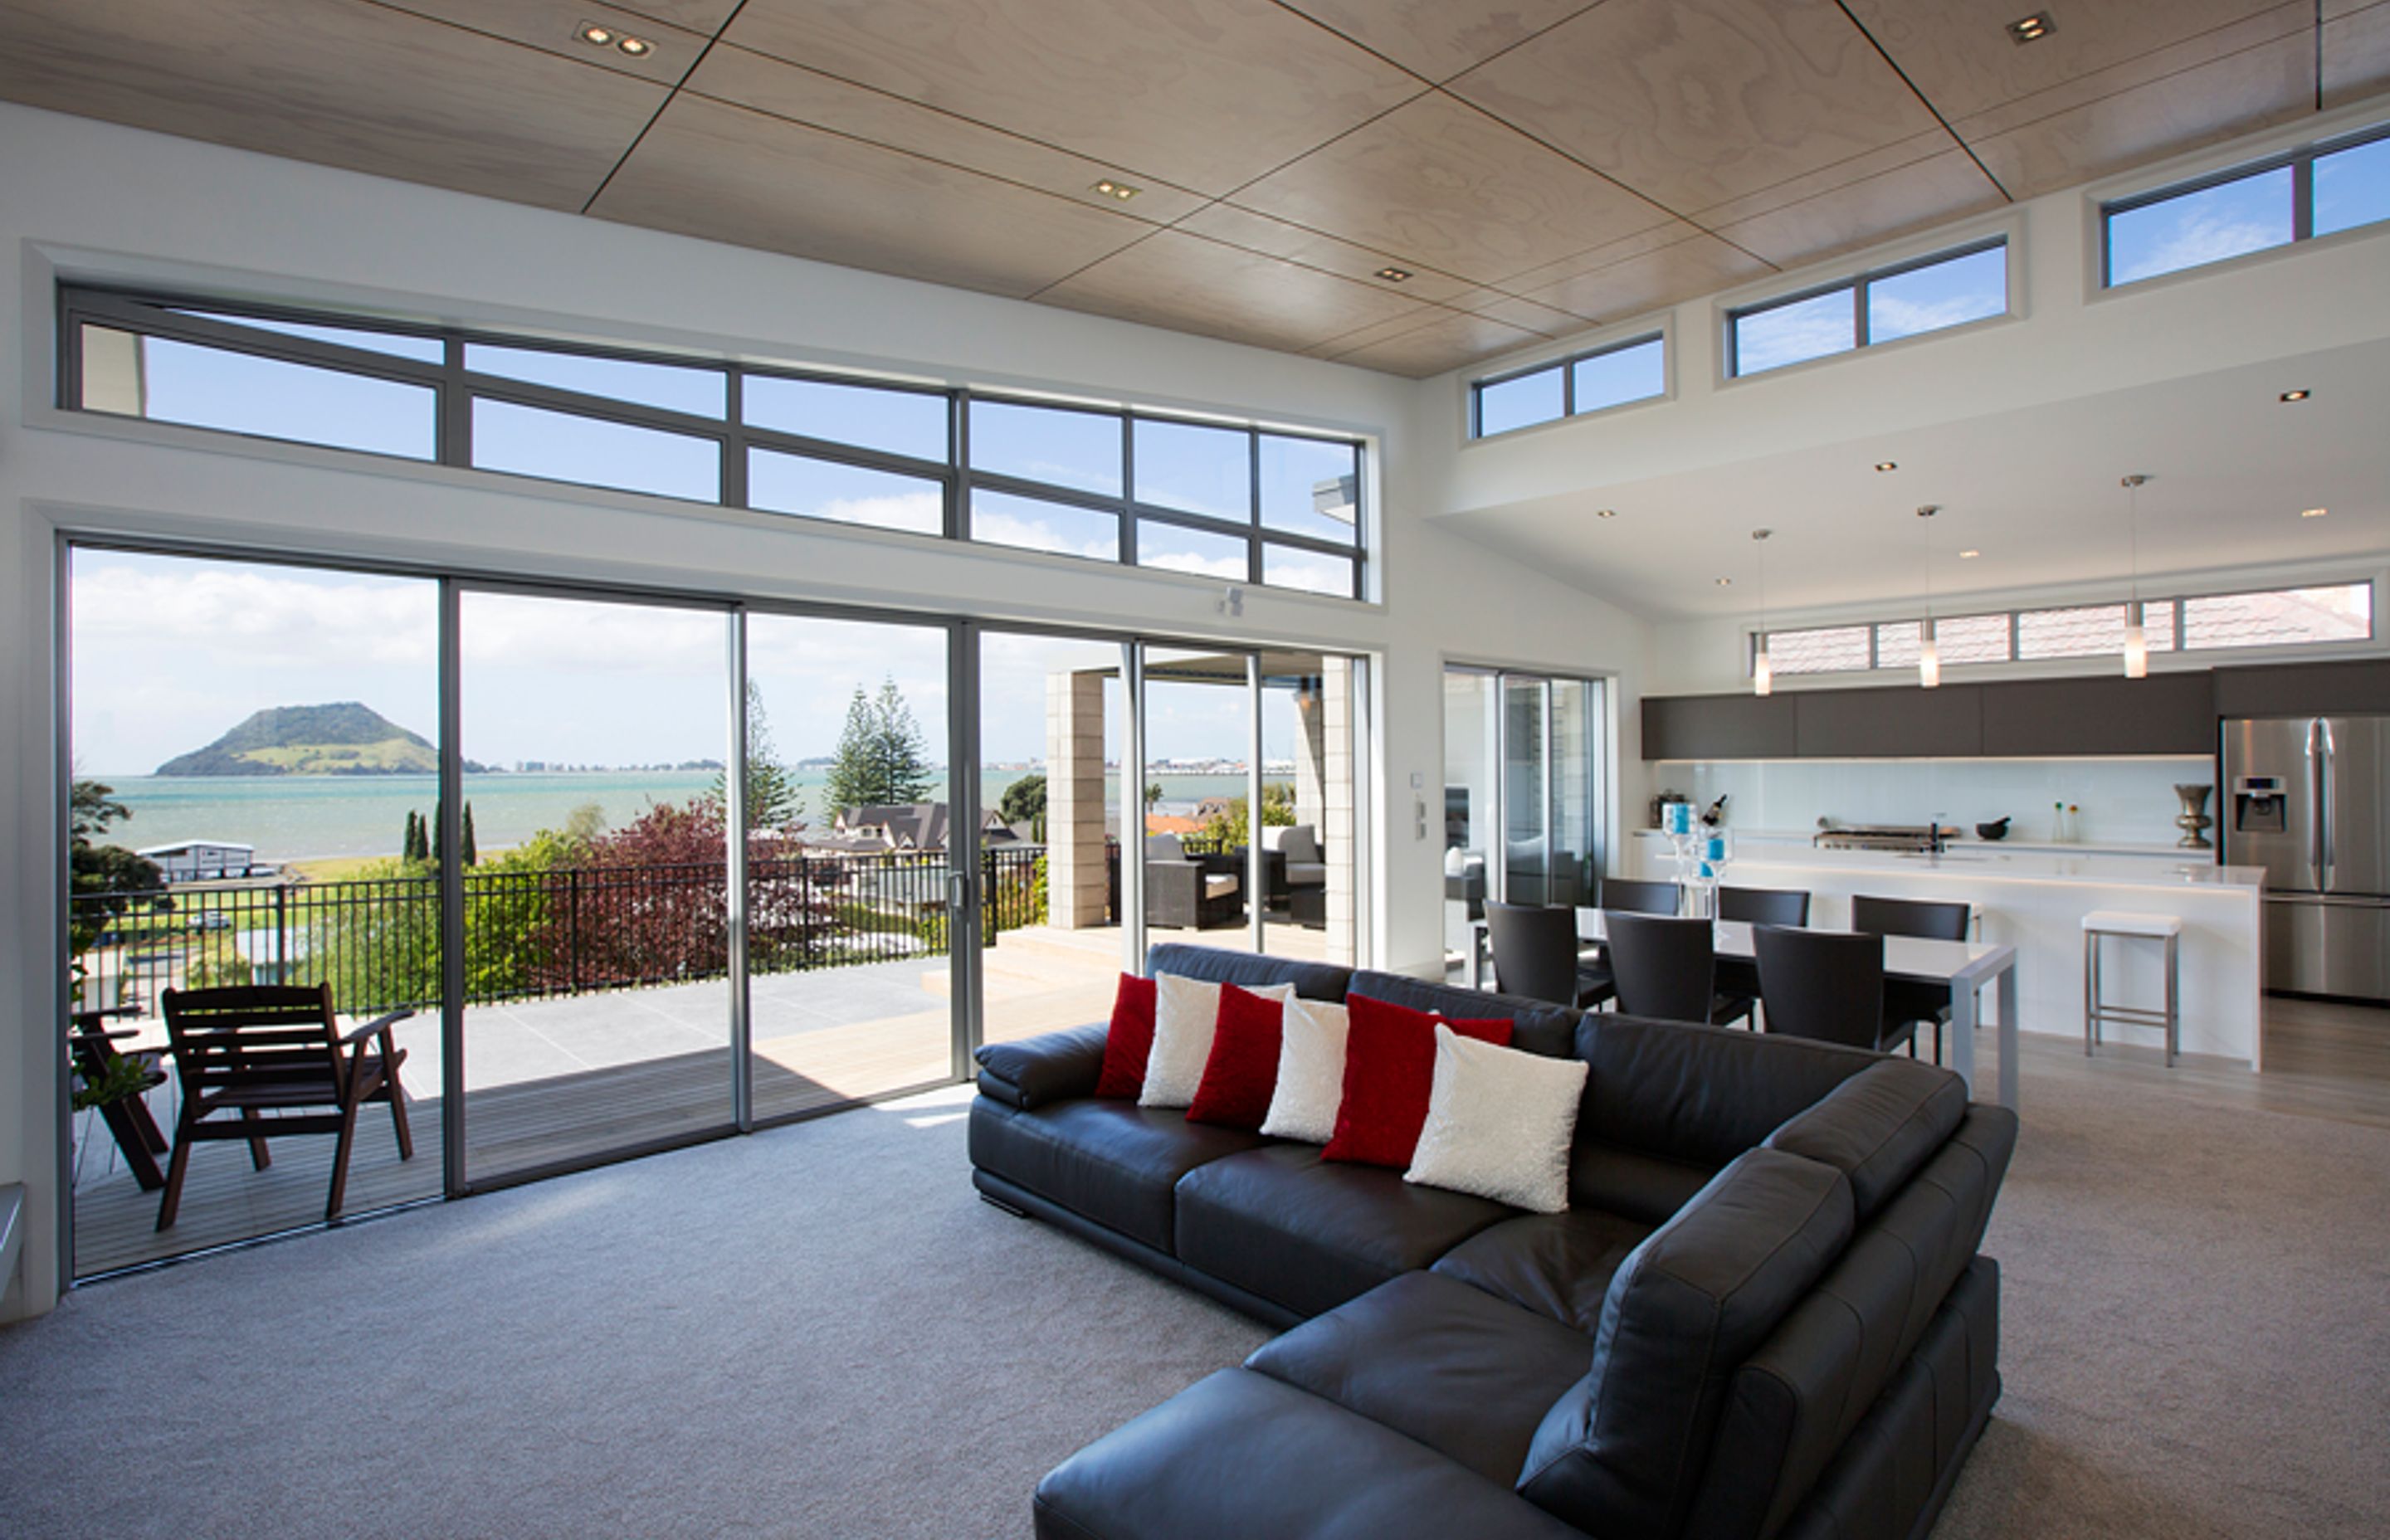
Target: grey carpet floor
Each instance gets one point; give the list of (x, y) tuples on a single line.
[(818, 1331)]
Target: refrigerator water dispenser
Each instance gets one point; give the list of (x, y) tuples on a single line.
[(2258, 805)]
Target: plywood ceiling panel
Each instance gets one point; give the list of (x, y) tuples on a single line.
[(727, 173), (1940, 187), (1438, 39), (1441, 183), (2355, 49), (1961, 55), (700, 15), (1694, 102), (2242, 91), (734, 74), (1628, 280), (1276, 237), (554, 26), (1445, 343), (1189, 284), (1207, 93), (1528, 314), (341, 81)]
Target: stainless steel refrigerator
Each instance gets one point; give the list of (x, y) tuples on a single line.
[(2309, 800)]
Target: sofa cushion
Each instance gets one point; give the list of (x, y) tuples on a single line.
[(1464, 1373), (1536, 1026), (1879, 1126), (1242, 1070), (1389, 1075), (1129, 1040), (1306, 1234), (1699, 1096), (1186, 1018), (1310, 1072), (1618, 1453), (1242, 1453), (1030, 1071), (1613, 1179), (1556, 1265), (1498, 1123), (1313, 980), (1111, 1162)]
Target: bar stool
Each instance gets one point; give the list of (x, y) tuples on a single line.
[(2102, 923)]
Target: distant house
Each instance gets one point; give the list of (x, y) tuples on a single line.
[(905, 827), (202, 860)]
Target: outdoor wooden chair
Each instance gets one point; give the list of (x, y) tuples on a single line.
[(240, 1053)]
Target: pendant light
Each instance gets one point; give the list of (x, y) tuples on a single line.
[(1763, 677), (1929, 651), (2136, 639)]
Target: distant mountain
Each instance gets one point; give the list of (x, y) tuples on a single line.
[(343, 738)]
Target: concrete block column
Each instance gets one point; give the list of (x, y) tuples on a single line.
[(1075, 877)]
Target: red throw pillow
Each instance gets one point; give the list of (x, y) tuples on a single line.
[(1130, 1040), (1389, 1070), (1241, 1075)]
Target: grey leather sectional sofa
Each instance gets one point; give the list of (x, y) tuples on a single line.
[(1763, 1315)]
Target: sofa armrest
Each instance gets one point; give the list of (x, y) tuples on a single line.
[(1035, 1071)]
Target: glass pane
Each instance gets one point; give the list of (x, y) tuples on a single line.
[(1947, 294), (1470, 753), (2197, 228), (597, 913), (1794, 333), (1309, 744), (1614, 378), (1182, 464), (1521, 403), (849, 846), (1198, 748), (1960, 639), (1000, 519), (674, 388), (1829, 649), (531, 440), (2352, 188), (2084, 631), (895, 422), (850, 494), (423, 350), (234, 392), (1080, 450), (1575, 788), (2342, 613), (1309, 572), (1053, 733), (1184, 551), (1311, 486), (1526, 795), (248, 741)]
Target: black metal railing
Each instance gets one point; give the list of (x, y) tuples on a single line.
[(533, 933)]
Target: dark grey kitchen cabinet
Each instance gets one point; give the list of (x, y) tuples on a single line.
[(1719, 727), (2166, 713), (1893, 722)]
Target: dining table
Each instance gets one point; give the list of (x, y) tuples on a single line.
[(1966, 968)]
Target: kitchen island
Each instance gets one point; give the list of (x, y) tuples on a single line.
[(2034, 898)]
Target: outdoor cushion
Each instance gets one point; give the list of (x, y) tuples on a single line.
[(1464, 1373), (1307, 1235), (1110, 1161), (1557, 1265)]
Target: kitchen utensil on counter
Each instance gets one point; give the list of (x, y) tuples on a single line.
[(1996, 829)]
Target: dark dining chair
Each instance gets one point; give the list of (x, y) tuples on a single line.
[(1927, 919), (1763, 905), (1667, 969), (1638, 896), (1824, 984), (1535, 955)]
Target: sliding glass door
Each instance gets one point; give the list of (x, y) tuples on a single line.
[(1525, 786)]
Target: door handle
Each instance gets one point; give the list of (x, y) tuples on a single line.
[(2326, 808), (958, 897)]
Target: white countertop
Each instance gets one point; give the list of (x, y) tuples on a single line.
[(2166, 851), (2108, 865)]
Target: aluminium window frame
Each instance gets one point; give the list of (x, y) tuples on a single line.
[(2300, 160), (1566, 363), (1858, 284), (148, 313)]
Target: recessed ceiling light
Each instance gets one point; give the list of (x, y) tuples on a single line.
[(1969, 556), (1725, 582), (1121, 190), (596, 33), (1887, 465), (2032, 28), (1393, 274), (637, 48), (2313, 513), (1605, 513), (2295, 395)]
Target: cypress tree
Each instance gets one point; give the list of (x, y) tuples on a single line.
[(472, 852)]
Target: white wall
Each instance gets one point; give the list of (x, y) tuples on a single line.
[(97, 200), (2119, 801)]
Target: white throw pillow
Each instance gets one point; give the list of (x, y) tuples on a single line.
[(1499, 1124), (1186, 1016), (1310, 1072)]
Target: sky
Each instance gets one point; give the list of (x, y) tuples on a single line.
[(169, 652)]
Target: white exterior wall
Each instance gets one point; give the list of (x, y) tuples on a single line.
[(90, 199)]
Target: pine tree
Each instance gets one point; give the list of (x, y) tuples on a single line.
[(773, 800), (880, 758), (439, 817), (413, 831)]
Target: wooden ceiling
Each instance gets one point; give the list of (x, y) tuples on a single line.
[(1537, 166)]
